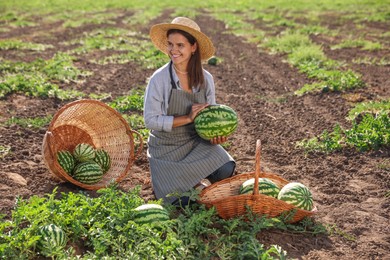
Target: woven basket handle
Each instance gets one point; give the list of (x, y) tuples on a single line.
[(257, 168), (141, 143), (50, 145)]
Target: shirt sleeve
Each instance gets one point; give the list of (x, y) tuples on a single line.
[(210, 89), (155, 106)]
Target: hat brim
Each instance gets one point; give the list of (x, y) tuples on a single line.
[(158, 35)]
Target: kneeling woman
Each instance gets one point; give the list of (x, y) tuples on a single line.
[(179, 159)]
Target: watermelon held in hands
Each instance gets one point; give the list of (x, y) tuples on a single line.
[(88, 172), (216, 120), (266, 187), (84, 152), (150, 213), (52, 238), (297, 194), (66, 161)]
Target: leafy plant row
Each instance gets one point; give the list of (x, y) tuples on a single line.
[(103, 228), (371, 133)]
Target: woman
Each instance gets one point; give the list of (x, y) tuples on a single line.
[(179, 159)]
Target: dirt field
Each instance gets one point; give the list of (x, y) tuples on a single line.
[(348, 187)]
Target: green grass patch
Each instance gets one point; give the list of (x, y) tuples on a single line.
[(136, 122), (14, 19), (384, 61), (137, 47), (35, 122), (371, 133), (372, 107), (60, 67), (81, 18), (310, 59), (37, 78), (132, 102), (358, 43), (10, 44), (4, 150), (288, 42)]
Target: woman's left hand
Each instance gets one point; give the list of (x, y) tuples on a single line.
[(218, 140)]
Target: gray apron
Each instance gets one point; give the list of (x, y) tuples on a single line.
[(180, 159)]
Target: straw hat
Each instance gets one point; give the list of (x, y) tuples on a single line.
[(158, 34)]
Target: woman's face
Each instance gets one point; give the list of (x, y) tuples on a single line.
[(180, 49)]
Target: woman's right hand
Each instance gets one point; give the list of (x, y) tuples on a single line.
[(195, 109)]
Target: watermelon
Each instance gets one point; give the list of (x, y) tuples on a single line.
[(66, 160), (52, 237), (88, 172), (212, 61), (150, 213), (84, 152), (266, 187), (216, 120), (103, 159), (297, 194)]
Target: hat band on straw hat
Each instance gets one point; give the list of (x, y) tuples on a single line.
[(158, 35)]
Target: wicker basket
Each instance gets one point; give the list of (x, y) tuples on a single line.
[(225, 197), (95, 123)]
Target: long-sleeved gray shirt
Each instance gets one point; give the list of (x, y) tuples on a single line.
[(157, 97)]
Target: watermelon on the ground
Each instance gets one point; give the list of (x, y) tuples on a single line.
[(297, 194), (216, 120), (103, 159), (84, 152), (52, 237), (266, 187), (150, 213), (88, 172), (66, 161)]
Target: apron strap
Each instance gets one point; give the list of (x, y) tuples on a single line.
[(170, 74), (173, 84)]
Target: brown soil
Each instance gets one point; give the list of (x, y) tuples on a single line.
[(348, 187)]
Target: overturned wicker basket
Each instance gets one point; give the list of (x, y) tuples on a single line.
[(225, 197), (95, 123)]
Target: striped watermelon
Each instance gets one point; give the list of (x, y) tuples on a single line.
[(150, 213), (88, 172), (84, 152), (103, 159), (52, 237), (266, 187), (297, 194), (66, 160), (216, 120)]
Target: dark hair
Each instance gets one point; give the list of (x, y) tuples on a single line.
[(194, 67)]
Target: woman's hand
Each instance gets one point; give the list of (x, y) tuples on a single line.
[(218, 140), (195, 109)]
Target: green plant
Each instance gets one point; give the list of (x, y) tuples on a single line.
[(36, 122), (333, 229), (4, 150), (384, 61), (20, 45), (358, 43), (287, 42), (372, 107), (132, 102), (372, 132), (326, 142)]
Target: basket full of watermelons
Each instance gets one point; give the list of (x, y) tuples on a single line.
[(90, 145), (264, 193)]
